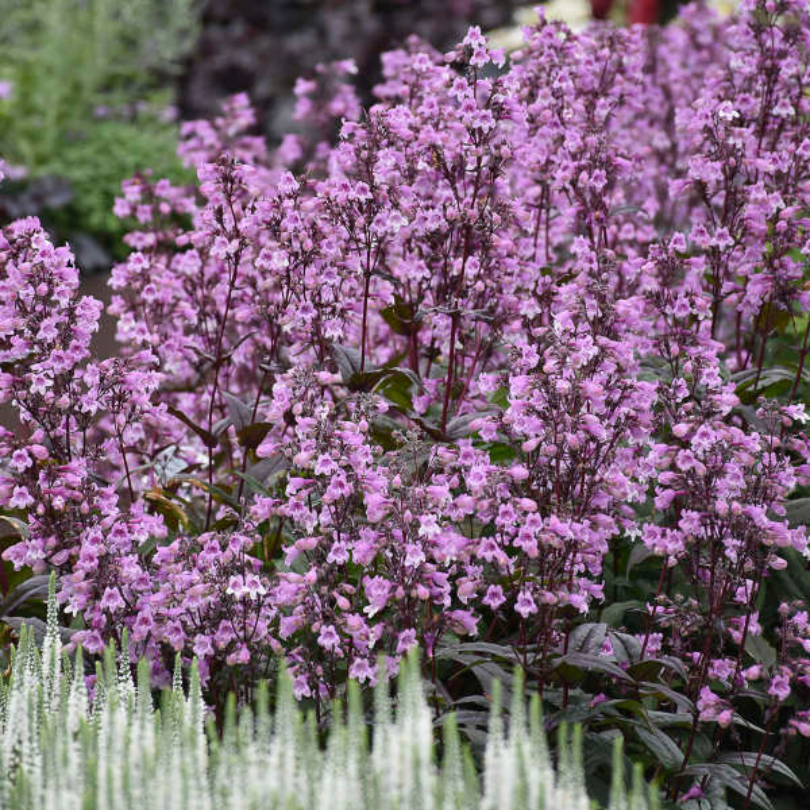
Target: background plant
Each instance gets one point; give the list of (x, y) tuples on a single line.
[(85, 103)]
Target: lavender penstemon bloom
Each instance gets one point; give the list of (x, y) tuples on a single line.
[(420, 386)]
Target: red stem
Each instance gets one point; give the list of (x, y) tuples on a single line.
[(450, 364)]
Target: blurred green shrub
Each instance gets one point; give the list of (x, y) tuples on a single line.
[(88, 98)]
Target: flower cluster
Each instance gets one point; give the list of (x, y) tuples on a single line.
[(423, 383)]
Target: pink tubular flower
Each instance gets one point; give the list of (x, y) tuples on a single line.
[(800, 723), (21, 498), (406, 641), (779, 686), (328, 638), (361, 671), (494, 597), (525, 604), (20, 460), (712, 707)]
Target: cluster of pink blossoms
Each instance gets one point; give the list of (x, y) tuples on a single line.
[(420, 384)]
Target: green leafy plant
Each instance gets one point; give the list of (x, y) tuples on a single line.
[(85, 98)]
